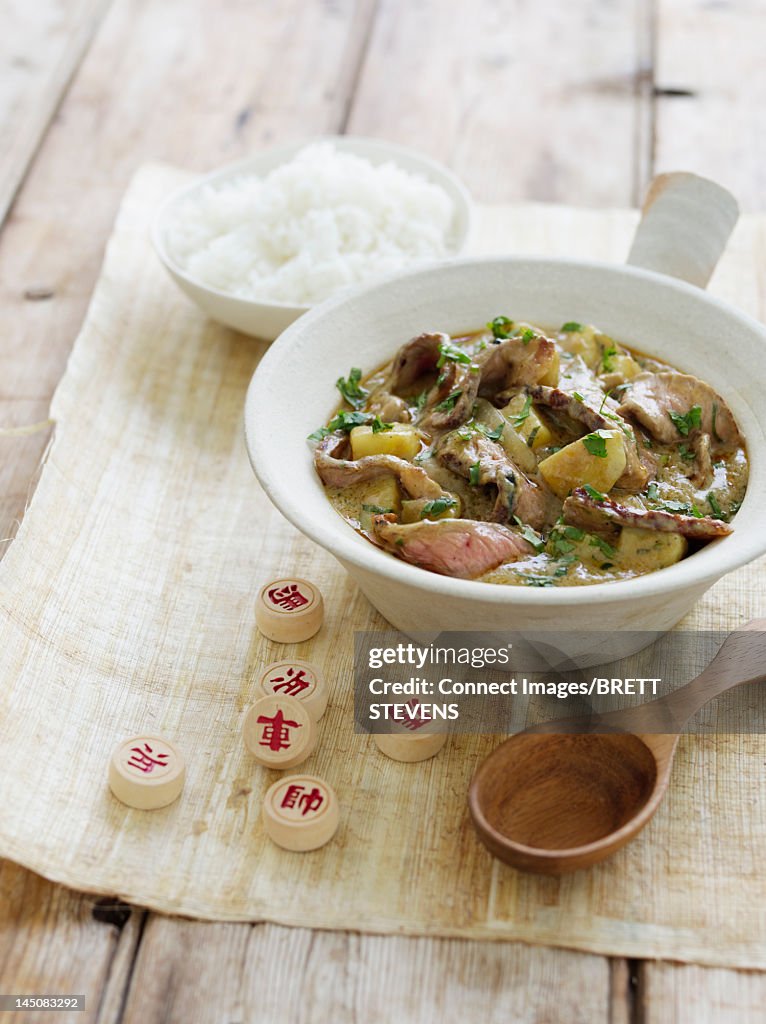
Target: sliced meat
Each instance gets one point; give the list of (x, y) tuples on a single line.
[(580, 509), (637, 469), (390, 408), (453, 547), (450, 401), (336, 471), (702, 474), (514, 362), (653, 396), (517, 495), (417, 356)]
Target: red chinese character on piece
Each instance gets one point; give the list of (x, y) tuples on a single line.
[(276, 734), (288, 597), (417, 722), (143, 760), (292, 682), (308, 801)]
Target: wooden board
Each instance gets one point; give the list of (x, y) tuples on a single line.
[(129, 615)]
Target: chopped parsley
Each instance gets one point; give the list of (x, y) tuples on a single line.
[(378, 426), (493, 435), (449, 402), (501, 327), (571, 327), (473, 474), (527, 335), (604, 546), (451, 353), (530, 535), (532, 435), (683, 508), (420, 401), (343, 421), (576, 395), (595, 444), (686, 453), (437, 507), (524, 413), (688, 421), (653, 491), (351, 388), (593, 493), (715, 507), (607, 358), (376, 510), (535, 581)]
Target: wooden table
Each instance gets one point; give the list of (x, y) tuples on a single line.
[(574, 102)]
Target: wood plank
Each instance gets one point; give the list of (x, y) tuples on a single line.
[(711, 94), (51, 943), (236, 77), (698, 995), (523, 103), (198, 972), (40, 47)]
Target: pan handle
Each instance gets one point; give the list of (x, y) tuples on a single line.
[(685, 224)]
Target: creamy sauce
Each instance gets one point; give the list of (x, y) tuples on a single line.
[(571, 556)]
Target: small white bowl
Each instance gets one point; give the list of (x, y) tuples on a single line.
[(267, 320)]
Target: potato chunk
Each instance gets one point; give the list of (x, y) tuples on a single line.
[(535, 433), (597, 459), (402, 440), (647, 550), (382, 495), (551, 376)]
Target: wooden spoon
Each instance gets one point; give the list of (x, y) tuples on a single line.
[(553, 802)]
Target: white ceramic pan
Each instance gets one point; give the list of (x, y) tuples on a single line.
[(655, 303)]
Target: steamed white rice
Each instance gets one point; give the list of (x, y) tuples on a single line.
[(324, 221)]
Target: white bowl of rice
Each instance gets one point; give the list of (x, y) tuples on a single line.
[(260, 242)]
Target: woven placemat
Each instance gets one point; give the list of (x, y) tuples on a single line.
[(126, 605)]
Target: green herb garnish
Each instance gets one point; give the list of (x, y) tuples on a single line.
[(449, 402), (607, 358), (527, 335), (683, 508), (686, 453), (596, 445), (492, 435), (604, 546), (653, 491), (451, 353), (576, 395), (437, 507), (501, 327), (688, 421), (379, 427), (351, 389), (343, 421), (532, 435), (524, 413), (716, 508), (376, 510), (473, 474), (593, 493), (530, 535), (420, 401), (571, 327)]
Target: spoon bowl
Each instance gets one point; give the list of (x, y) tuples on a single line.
[(553, 803)]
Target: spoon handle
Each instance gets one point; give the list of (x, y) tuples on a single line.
[(741, 659)]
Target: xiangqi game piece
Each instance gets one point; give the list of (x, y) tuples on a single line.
[(147, 772), (412, 740), (299, 679), (279, 732), (289, 610), (300, 812)]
